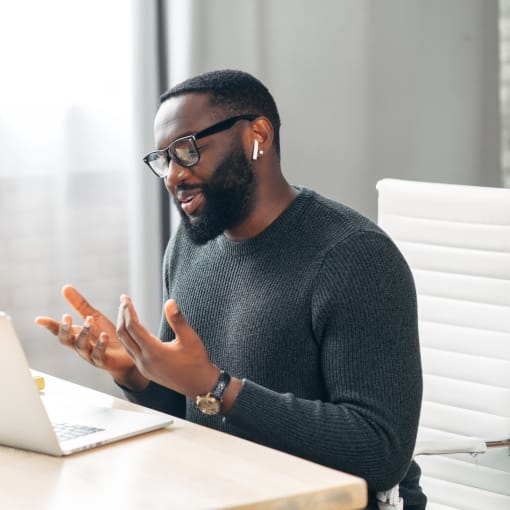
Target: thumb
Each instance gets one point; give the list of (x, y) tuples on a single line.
[(183, 331)]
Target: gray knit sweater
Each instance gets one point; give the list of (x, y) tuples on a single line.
[(317, 315)]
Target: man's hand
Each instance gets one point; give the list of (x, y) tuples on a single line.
[(96, 341), (182, 364)]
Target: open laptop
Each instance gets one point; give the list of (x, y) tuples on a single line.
[(49, 424)]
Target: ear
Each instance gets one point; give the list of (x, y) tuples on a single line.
[(259, 137)]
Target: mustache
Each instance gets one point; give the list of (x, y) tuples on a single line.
[(189, 187)]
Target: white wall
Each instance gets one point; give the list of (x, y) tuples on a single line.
[(435, 91), (367, 88)]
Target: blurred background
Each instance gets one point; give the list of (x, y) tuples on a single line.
[(413, 89)]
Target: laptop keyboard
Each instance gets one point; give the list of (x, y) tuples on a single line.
[(66, 431)]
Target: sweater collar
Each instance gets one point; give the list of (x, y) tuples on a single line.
[(273, 233)]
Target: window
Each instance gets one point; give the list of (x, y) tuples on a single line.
[(66, 125)]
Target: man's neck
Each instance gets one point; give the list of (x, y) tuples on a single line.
[(269, 205)]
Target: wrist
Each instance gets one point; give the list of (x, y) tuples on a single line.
[(219, 398), (231, 393), (207, 381), (131, 379)]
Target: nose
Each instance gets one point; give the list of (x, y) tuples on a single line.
[(176, 175)]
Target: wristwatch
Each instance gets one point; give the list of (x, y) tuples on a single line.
[(211, 402)]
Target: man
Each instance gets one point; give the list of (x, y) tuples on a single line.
[(288, 319)]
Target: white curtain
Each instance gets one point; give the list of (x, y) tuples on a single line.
[(77, 206)]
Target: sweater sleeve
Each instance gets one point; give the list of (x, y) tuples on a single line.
[(365, 321), (159, 398)]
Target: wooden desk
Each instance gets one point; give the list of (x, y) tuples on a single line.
[(185, 466)]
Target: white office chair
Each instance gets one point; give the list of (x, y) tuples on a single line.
[(456, 240)]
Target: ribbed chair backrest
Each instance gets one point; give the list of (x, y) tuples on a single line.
[(456, 240)]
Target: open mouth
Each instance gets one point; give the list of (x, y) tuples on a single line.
[(190, 201)]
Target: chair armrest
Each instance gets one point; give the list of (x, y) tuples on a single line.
[(391, 500), (465, 445)]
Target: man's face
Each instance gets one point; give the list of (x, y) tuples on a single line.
[(227, 198), (218, 192)]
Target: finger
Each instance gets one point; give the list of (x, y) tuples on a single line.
[(47, 322), (98, 353), (78, 302), (126, 300), (65, 332), (183, 331), (124, 336), (137, 331), (82, 340)]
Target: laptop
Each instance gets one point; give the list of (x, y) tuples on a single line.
[(51, 423)]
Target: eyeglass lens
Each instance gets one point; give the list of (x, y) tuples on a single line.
[(158, 163), (184, 151)]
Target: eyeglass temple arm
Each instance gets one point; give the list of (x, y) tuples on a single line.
[(222, 126)]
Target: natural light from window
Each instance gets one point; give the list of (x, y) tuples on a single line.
[(66, 125)]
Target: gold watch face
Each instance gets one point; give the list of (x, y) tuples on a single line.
[(208, 404)]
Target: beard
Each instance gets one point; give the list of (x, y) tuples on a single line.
[(229, 197)]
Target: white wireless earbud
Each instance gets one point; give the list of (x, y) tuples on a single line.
[(255, 153)]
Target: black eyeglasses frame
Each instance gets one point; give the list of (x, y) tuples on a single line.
[(211, 130)]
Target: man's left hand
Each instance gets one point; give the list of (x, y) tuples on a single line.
[(182, 365)]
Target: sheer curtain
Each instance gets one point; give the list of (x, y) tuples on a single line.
[(78, 95)]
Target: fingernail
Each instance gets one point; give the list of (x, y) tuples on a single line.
[(174, 310), (88, 321)]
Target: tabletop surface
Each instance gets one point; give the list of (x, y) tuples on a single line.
[(185, 466)]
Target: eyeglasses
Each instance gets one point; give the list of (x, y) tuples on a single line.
[(184, 151)]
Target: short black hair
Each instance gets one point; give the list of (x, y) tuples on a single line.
[(235, 92)]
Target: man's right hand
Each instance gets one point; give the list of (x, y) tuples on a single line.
[(96, 341)]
